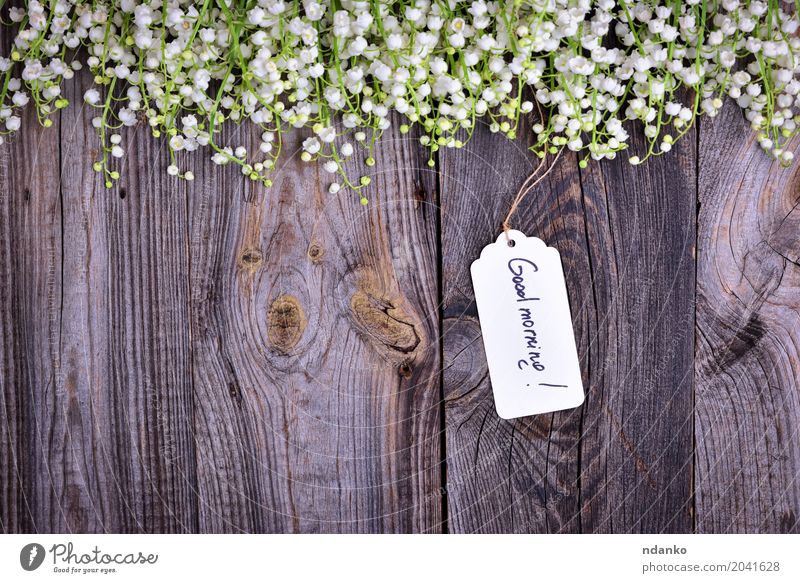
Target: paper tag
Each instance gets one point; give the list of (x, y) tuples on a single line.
[(527, 327)]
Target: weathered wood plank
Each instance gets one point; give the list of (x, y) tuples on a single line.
[(626, 236), (505, 476), (315, 326), (748, 335), (216, 357), (636, 446), (125, 344), (101, 291), (30, 291)]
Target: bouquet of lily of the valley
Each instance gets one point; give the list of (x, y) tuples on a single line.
[(341, 69)]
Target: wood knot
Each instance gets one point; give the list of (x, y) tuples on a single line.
[(251, 258), (405, 369), (315, 252), (286, 323), (381, 320), (744, 340), (464, 362), (235, 393)]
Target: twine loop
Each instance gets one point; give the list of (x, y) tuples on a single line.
[(530, 183)]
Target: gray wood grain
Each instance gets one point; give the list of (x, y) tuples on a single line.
[(111, 446), (30, 297), (219, 357), (96, 406), (636, 446), (748, 335), (502, 476), (621, 463), (315, 326)]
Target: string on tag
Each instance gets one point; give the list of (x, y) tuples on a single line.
[(527, 186)]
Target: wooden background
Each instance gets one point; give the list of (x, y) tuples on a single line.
[(217, 357)]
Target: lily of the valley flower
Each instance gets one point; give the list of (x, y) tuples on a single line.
[(348, 70)]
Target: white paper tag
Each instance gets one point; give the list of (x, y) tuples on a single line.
[(527, 327)]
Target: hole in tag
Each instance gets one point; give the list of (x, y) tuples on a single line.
[(512, 243)]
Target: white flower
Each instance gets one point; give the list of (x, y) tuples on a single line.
[(581, 66), (92, 97), (127, 117), (443, 66), (176, 142), (327, 134), (311, 145), (394, 42), (20, 99)]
